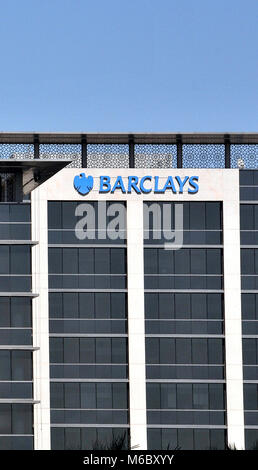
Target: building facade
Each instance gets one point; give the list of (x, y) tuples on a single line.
[(129, 291)]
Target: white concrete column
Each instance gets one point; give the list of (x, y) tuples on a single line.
[(40, 319), (136, 328), (233, 326)]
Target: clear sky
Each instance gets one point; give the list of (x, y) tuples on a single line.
[(129, 65)]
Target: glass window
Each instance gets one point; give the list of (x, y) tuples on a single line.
[(213, 215), (200, 396), (201, 439), (5, 314), (199, 307), (169, 439), (168, 396), (214, 304), (198, 261), (54, 215), (183, 351), (166, 305), (20, 259), (247, 261), (167, 351), (104, 395), (72, 395), (119, 350), (68, 214), (21, 365), (150, 261), (103, 350), (57, 439), (86, 305), (152, 350), (199, 351), (56, 350), (250, 396), (215, 351), (185, 439), (4, 256), (249, 351), (184, 396), (72, 439), (165, 261), (217, 439), (5, 365), (70, 305), (118, 305), (154, 439), (248, 306), (117, 259), (197, 215), (71, 350), (216, 396), (182, 305), (56, 395), (102, 305), (151, 305), (55, 305), (22, 419), (55, 260), (102, 261), (182, 261), (86, 261), (214, 261), (120, 395), (87, 350), (20, 312), (88, 438), (88, 395), (70, 261), (5, 421), (246, 217), (153, 396)]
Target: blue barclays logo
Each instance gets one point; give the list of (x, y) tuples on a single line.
[(144, 185), (83, 184)]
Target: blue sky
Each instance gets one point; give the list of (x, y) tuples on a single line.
[(129, 65)]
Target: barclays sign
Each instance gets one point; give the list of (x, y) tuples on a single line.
[(145, 185)]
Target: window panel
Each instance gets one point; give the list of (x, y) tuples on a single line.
[(198, 261), (87, 350), (86, 305), (197, 215), (86, 260), (4, 256), (103, 350), (152, 350), (214, 261), (70, 261), (200, 396), (71, 350), (55, 260), (168, 396), (5, 314), (199, 351), (88, 395), (72, 395), (184, 396), (213, 215), (199, 307), (183, 305), (21, 365), (182, 261), (183, 351)]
